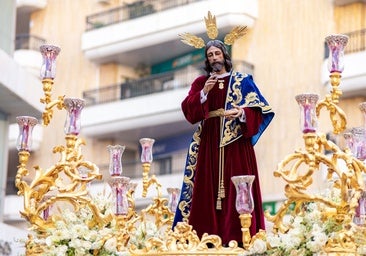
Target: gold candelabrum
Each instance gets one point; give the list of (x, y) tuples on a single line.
[(298, 168), (67, 182)]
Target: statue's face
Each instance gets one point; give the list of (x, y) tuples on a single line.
[(216, 59)]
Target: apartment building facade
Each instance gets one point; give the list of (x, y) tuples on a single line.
[(126, 60)]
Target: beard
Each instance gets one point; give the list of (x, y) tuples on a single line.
[(217, 66)]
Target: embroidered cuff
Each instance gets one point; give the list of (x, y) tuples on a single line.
[(203, 96), (243, 117)]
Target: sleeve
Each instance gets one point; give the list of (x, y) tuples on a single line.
[(193, 110), (254, 119)]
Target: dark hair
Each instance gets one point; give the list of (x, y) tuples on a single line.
[(227, 59)]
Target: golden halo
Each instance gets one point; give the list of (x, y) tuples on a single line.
[(212, 32)]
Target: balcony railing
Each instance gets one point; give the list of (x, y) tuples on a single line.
[(152, 84), (28, 42), (131, 11), (130, 89), (356, 42)]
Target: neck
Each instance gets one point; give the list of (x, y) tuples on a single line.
[(222, 71), (222, 75)]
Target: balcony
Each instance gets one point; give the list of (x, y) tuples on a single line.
[(354, 75), (148, 107), (20, 91), (26, 7), (129, 37), (27, 52)]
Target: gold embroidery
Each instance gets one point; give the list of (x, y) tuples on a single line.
[(221, 83), (231, 130), (188, 176)]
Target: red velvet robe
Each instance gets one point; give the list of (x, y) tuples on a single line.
[(239, 160)]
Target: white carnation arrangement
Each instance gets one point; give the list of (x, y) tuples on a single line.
[(72, 236), (308, 231), (143, 232)]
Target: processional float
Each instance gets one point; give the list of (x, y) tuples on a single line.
[(115, 232)]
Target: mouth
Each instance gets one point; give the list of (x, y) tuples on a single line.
[(217, 66)]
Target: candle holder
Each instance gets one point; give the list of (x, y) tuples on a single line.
[(146, 150), (73, 107), (26, 125), (49, 54), (115, 159), (244, 204), (357, 142), (336, 45), (173, 198), (308, 118), (146, 159), (120, 186), (47, 200), (48, 73), (360, 212)]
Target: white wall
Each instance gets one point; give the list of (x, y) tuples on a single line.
[(13, 236)]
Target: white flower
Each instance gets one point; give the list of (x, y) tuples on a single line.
[(259, 246), (143, 232), (111, 244), (297, 221), (79, 230), (75, 243), (69, 215), (57, 236), (72, 234), (59, 250), (361, 250), (287, 220), (273, 240), (308, 232)]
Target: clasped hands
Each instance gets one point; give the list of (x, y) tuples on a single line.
[(233, 113)]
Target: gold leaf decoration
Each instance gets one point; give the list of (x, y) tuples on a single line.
[(211, 26), (192, 40), (234, 34)]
